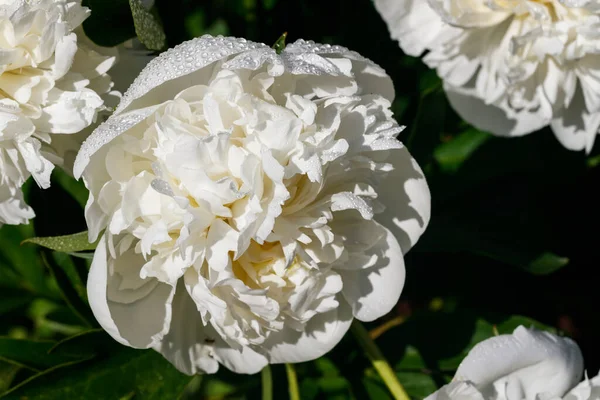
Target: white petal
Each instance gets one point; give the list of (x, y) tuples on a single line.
[(198, 54), (575, 128), (497, 119), (457, 391), (194, 348), (39, 167), (589, 389), (64, 53), (412, 22), (107, 131), (407, 198), (140, 323), (187, 345), (372, 292), (524, 364), (69, 112), (244, 361), (370, 77), (13, 209), (321, 334)]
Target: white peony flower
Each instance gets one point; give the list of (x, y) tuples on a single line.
[(527, 365), (51, 78), (510, 67), (252, 204)]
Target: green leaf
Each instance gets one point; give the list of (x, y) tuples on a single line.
[(71, 285), (66, 244), (147, 28), (512, 322), (30, 354), (532, 261), (546, 263), (269, 4), (417, 384), (118, 373), (279, 44), (76, 273), (451, 155), (115, 14), (50, 318), (20, 266), (13, 299), (86, 344), (8, 372)]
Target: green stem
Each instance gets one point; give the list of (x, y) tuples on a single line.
[(267, 383), (292, 382), (379, 362)]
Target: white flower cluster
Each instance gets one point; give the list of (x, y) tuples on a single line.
[(250, 204), (51, 79), (510, 67)]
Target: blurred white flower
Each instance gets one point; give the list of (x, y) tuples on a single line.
[(252, 204), (526, 365), (51, 78), (510, 67)]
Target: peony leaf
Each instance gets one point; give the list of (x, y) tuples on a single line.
[(70, 280), (451, 155), (534, 262), (67, 244), (116, 372), (147, 28), (546, 263), (21, 267), (30, 354)]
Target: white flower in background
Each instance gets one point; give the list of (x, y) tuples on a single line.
[(51, 78), (526, 365), (252, 204), (510, 67)]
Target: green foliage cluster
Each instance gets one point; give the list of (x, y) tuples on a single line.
[(511, 239)]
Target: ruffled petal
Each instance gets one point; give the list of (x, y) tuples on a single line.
[(457, 391), (575, 128), (372, 290), (137, 317), (411, 22), (407, 200), (588, 389), (195, 348), (498, 119), (13, 209), (320, 335)]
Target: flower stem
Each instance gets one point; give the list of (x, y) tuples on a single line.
[(379, 362), (267, 383), (292, 382)]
